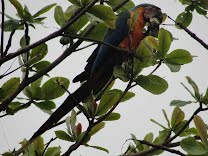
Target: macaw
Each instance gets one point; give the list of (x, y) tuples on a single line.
[(99, 68)]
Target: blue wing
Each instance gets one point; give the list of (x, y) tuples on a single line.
[(104, 56), (113, 37)]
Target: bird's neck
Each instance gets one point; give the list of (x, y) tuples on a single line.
[(132, 41)]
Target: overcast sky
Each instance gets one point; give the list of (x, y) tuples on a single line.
[(136, 113)]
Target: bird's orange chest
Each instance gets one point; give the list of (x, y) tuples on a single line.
[(132, 41)]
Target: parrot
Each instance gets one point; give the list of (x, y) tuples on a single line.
[(129, 32)]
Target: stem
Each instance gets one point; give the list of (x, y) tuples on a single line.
[(194, 36), (47, 145), (27, 40), (2, 28), (96, 41), (161, 147), (9, 42)]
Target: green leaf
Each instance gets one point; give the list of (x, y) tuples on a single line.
[(179, 57), (201, 129), (41, 65), (63, 136), (113, 117), (98, 32), (27, 16), (173, 68), (138, 144), (44, 10), (165, 40), (53, 151), (73, 119), (186, 2), (78, 25), (148, 138), (36, 83), (59, 16), (104, 13), (29, 151), (144, 52), (75, 2), (9, 87), (152, 83), (53, 89), (203, 4), (128, 96), (23, 42), (120, 73), (179, 126), (7, 154), (200, 10), (127, 6), (205, 98), (39, 145), (97, 128), (38, 53), (184, 18), (195, 87), (15, 105), (98, 147), (191, 146), (108, 100), (160, 139), (179, 103), (177, 116), (11, 25), (18, 7), (46, 105)]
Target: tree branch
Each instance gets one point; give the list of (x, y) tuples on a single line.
[(73, 19), (167, 142), (2, 28), (190, 33), (27, 42), (26, 82), (9, 42), (161, 147)]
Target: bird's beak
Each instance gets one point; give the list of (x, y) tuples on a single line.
[(154, 18)]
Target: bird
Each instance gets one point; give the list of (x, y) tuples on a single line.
[(128, 34)]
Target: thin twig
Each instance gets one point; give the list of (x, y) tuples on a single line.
[(96, 41), (161, 147), (78, 49), (2, 28), (190, 33), (9, 42), (27, 41), (5, 74), (158, 65), (47, 145)]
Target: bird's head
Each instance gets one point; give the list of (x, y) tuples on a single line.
[(153, 17)]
